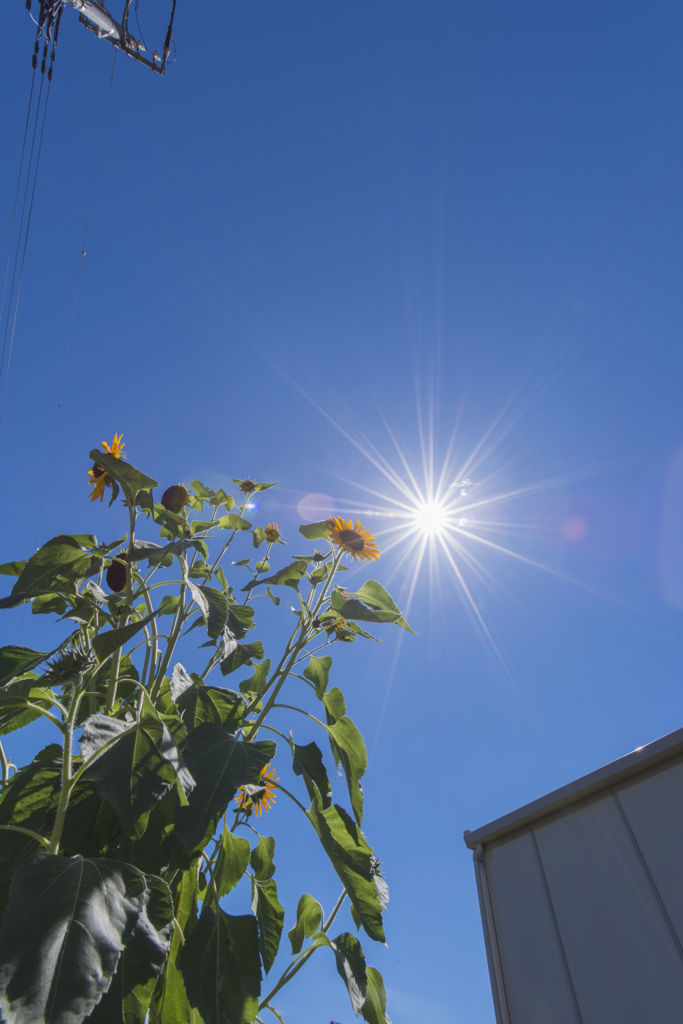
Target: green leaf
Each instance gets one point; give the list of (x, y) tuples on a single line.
[(316, 531), (221, 498), (308, 762), (258, 536), (240, 620), (353, 860), (270, 915), (309, 920), (290, 576), (106, 643), (241, 654), (219, 764), (131, 479), (335, 705), (318, 672), (233, 522), (273, 598), (171, 998), (141, 549), (233, 861), (135, 772), (12, 568), (374, 1009), (351, 968), (218, 611), (62, 912), (15, 661), (141, 963), (373, 594), (14, 714), (211, 704), (221, 968), (61, 556), (259, 681), (201, 525), (158, 850), (351, 748), (169, 605), (201, 490), (164, 556), (261, 858), (45, 604)]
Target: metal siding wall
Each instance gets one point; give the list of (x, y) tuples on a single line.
[(624, 964), (536, 979), (654, 809)]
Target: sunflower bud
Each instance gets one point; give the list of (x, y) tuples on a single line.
[(116, 576), (272, 533), (175, 498), (247, 486)]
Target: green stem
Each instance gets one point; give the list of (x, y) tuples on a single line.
[(26, 832), (286, 791), (66, 774), (5, 765), (116, 656), (275, 1012)]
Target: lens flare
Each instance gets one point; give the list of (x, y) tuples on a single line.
[(431, 518)]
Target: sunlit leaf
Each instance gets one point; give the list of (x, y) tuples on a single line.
[(261, 858), (316, 531), (131, 479), (241, 654), (61, 556), (308, 762), (104, 644), (221, 967), (309, 918), (270, 915), (318, 672), (15, 661), (290, 576)]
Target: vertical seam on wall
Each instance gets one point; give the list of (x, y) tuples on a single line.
[(556, 927), (648, 874), (492, 932)]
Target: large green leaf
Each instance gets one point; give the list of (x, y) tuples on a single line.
[(219, 764), (318, 672), (15, 661), (353, 860), (141, 963), (67, 921), (377, 606), (308, 762), (351, 968), (158, 850), (316, 531), (262, 858), (165, 556), (131, 479), (241, 654), (12, 568), (201, 703), (290, 576), (240, 620), (172, 1005), (106, 643), (14, 698), (61, 556), (270, 915), (232, 862), (335, 705), (135, 771), (351, 749), (374, 1009), (221, 968), (257, 683), (213, 605), (309, 920)]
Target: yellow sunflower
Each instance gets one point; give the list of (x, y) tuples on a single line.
[(357, 540), (272, 532), (98, 476), (262, 801)]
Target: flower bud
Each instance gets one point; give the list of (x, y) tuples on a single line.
[(174, 498), (116, 576)]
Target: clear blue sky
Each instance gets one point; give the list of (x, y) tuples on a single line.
[(470, 204)]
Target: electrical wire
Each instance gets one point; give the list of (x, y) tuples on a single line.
[(16, 196), (73, 311), (26, 237)]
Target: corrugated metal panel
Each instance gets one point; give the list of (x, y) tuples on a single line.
[(582, 897)]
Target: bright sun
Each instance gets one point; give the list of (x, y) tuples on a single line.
[(431, 517)]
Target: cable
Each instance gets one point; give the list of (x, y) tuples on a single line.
[(16, 197), (26, 235), (73, 312)]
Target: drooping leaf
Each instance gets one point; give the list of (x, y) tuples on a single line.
[(202, 703), (258, 536), (270, 915), (217, 611), (104, 644), (318, 672), (377, 606), (353, 860), (14, 700), (234, 521), (221, 498), (137, 770), (309, 919), (47, 604), (351, 968), (290, 576), (316, 531), (335, 705), (158, 850), (169, 605), (172, 1005), (219, 764), (308, 762), (141, 962), (61, 556), (232, 862), (164, 556), (181, 680), (15, 661), (12, 568), (240, 620), (261, 858), (241, 654), (131, 479), (259, 681), (351, 750), (374, 1009), (221, 968), (66, 923)]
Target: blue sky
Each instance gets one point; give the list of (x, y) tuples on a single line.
[(371, 216)]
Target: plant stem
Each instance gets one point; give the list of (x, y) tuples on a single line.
[(27, 832), (5, 765), (66, 774)]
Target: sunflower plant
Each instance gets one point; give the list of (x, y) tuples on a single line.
[(121, 843)]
